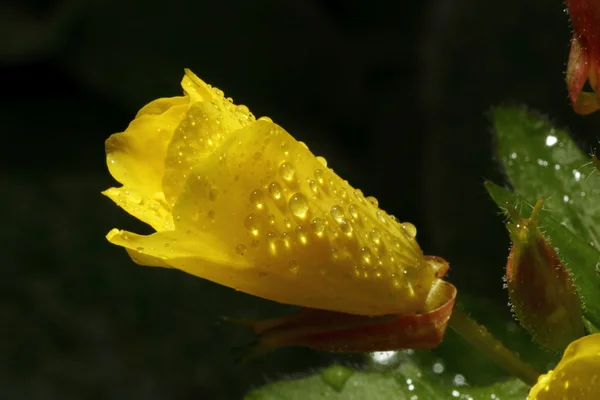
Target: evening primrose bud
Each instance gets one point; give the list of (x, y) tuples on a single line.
[(240, 202), (540, 287)]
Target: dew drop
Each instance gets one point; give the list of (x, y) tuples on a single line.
[(319, 176), (375, 236), (252, 223), (335, 254), (301, 234), (318, 226), (381, 217), (336, 376), (366, 255), (409, 229), (240, 249), (213, 194), (298, 205), (257, 199), (275, 190), (287, 222), (313, 186), (285, 148), (322, 160), (346, 227), (331, 187), (337, 214), (286, 240), (287, 171), (359, 195), (267, 119), (257, 156), (373, 201), (271, 219), (272, 242), (353, 211), (293, 266)]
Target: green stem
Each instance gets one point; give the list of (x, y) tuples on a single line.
[(480, 338)]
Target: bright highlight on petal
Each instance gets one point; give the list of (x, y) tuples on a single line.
[(577, 375), (240, 202)]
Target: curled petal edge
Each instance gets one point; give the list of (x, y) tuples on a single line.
[(340, 332)]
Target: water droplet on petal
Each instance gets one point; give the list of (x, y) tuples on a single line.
[(409, 229), (275, 190), (313, 186), (366, 255), (318, 226), (319, 176), (301, 234), (381, 217), (213, 194), (373, 201), (257, 199), (293, 266), (287, 171), (286, 240), (346, 227), (252, 223), (353, 211), (298, 205), (337, 214), (375, 236), (272, 242), (240, 249)]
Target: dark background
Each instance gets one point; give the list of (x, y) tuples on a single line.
[(395, 95)]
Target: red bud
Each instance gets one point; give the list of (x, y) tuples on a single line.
[(540, 286), (584, 56)]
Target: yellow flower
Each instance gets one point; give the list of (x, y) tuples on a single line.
[(240, 202), (577, 375)]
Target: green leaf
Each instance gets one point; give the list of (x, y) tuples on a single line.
[(577, 255), (541, 160), (407, 381)]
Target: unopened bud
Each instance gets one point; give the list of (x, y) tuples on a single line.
[(540, 286), (584, 57)]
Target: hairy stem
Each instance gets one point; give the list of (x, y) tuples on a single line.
[(479, 337)]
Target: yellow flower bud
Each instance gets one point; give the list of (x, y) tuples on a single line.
[(240, 202), (577, 375)]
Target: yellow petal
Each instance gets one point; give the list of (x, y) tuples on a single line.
[(152, 211), (136, 157), (208, 122), (192, 251), (577, 375), (160, 106), (308, 236)]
